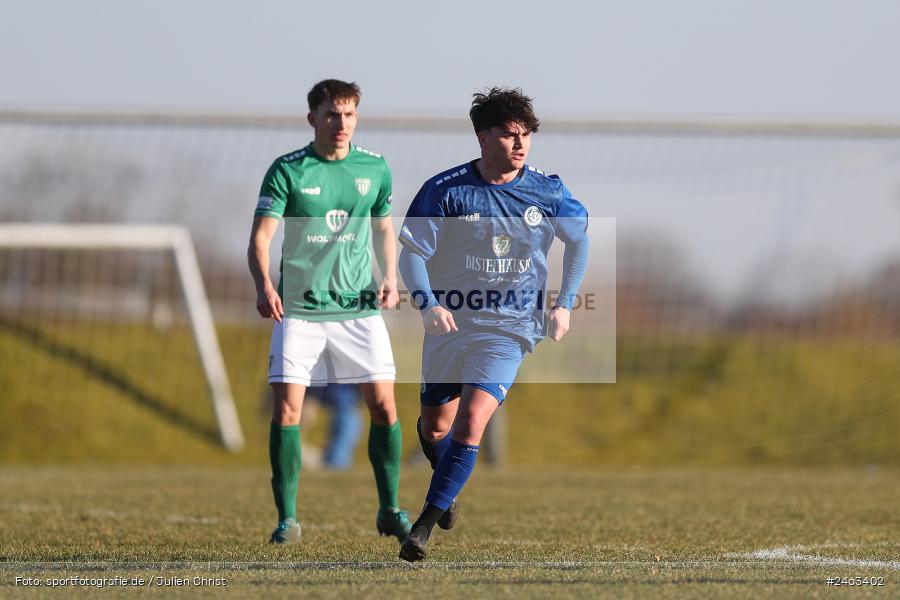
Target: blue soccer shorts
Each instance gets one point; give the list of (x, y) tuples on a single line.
[(485, 360)]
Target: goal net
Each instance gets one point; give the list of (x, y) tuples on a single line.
[(112, 300), (757, 274)]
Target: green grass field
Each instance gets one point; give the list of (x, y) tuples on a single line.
[(727, 467), (570, 533)]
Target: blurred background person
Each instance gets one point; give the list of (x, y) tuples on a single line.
[(341, 400)]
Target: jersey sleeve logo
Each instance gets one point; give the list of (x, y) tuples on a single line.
[(265, 203), (369, 152), (363, 185), (533, 216), (336, 220), (441, 180), (501, 244), (294, 155)]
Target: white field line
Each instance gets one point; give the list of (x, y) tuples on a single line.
[(837, 545), (771, 558), (796, 554), (360, 565)]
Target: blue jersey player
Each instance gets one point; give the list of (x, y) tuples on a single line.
[(475, 244)]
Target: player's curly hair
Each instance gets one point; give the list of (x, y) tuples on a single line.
[(500, 106), (329, 90)]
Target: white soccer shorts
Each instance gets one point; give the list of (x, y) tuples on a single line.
[(316, 353)]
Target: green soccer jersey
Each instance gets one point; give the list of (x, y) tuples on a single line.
[(327, 206)]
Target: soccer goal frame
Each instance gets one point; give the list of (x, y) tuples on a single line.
[(151, 237)]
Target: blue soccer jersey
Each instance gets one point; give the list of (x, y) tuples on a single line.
[(486, 245)]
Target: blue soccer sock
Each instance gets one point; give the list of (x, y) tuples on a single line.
[(441, 446), (451, 473), (433, 450)]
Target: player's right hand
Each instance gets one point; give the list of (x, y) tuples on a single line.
[(438, 321), (559, 322), (268, 303)]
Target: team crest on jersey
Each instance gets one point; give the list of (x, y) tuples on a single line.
[(363, 185), (501, 244), (336, 220), (533, 215)]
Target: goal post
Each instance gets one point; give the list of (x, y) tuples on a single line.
[(151, 237)]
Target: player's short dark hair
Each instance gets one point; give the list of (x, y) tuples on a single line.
[(500, 106), (329, 90)]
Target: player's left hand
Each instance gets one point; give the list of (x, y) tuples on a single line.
[(559, 322), (388, 296)]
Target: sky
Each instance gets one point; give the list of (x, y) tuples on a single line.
[(762, 58)]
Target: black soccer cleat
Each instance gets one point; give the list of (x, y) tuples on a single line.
[(448, 519), (413, 548)]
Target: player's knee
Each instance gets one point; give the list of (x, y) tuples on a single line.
[(433, 437), (285, 413), (383, 412), (286, 416), (435, 431)]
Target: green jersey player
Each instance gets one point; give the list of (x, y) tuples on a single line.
[(334, 197)]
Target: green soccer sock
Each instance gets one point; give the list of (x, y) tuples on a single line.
[(385, 448), (284, 454)]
